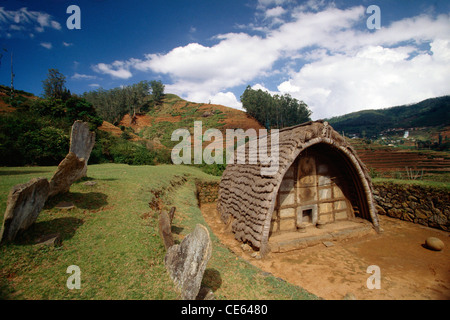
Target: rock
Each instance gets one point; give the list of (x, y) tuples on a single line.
[(434, 243), (82, 141), (380, 209), (205, 293), (165, 229), (51, 240), (328, 243), (172, 213), (25, 202), (90, 183), (395, 213), (68, 172), (423, 213), (256, 255), (63, 205), (186, 262)]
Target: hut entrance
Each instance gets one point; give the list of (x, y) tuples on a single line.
[(316, 190)]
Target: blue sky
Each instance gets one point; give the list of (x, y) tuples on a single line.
[(319, 51)]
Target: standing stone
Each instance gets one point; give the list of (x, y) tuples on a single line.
[(186, 262), (25, 202), (165, 229), (82, 141), (68, 172), (172, 213)]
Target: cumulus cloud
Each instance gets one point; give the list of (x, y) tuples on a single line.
[(226, 99), (375, 70), (323, 55), (275, 12), (24, 22), (118, 69)]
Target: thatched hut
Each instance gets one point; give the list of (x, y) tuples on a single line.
[(319, 180)]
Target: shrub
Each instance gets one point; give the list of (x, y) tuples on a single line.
[(80, 109), (47, 146)]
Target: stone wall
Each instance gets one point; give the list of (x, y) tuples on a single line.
[(207, 192), (423, 205)]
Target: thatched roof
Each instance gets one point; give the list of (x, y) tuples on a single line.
[(247, 197)]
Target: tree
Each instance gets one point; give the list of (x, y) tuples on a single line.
[(276, 111), (157, 89), (80, 109), (54, 85)]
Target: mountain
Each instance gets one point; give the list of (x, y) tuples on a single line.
[(434, 112)]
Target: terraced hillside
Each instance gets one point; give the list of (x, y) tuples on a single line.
[(397, 163)]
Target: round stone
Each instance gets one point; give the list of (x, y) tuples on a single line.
[(434, 244)]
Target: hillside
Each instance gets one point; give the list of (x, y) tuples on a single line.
[(20, 97), (393, 162), (157, 126), (433, 112)]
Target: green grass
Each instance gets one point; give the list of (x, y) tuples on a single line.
[(445, 185), (112, 235)]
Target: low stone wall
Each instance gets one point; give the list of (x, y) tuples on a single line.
[(207, 192), (423, 205)]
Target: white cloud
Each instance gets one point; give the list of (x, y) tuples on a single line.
[(46, 45), (56, 25), (235, 60), (226, 99), (24, 21), (374, 77), (79, 76), (118, 69), (67, 44), (323, 56), (262, 4), (275, 12)]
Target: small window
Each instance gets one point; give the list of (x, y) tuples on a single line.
[(307, 216)]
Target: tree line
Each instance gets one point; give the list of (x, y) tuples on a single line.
[(277, 111), (37, 132), (114, 103)]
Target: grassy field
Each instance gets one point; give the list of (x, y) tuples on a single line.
[(112, 235)]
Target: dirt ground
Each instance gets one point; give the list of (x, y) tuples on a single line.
[(409, 271)]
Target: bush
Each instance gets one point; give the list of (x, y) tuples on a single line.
[(29, 139), (47, 146), (214, 169), (80, 109), (53, 108), (142, 156), (131, 153)]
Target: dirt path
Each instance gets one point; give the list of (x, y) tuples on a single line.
[(408, 270)]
